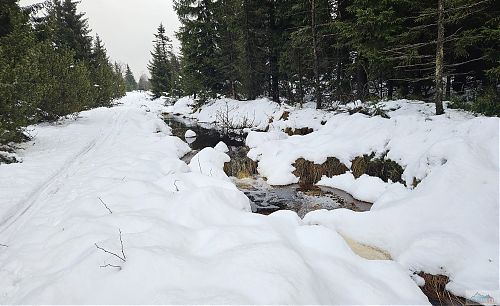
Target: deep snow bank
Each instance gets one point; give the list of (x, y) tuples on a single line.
[(447, 225), (187, 231)]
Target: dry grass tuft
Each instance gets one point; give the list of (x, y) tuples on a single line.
[(435, 290), (385, 169), (240, 166), (285, 115), (301, 131), (310, 173)]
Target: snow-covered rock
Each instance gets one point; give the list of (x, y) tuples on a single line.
[(190, 134), (221, 147)]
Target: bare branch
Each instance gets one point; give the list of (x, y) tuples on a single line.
[(111, 266), (466, 62), (110, 212), (176, 188), (121, 242), (109, 252), (4, 245)]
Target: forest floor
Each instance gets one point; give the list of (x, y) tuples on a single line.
[(102, 210)]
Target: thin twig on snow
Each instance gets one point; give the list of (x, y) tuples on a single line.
[(110, 212)]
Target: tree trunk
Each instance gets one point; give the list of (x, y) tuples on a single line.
[(249, 73), (317, 88), (390, 90), (273, 58), (301, 87), (448, 87), (361, 80), (439, 59)]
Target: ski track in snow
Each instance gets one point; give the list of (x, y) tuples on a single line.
[(24, 210)]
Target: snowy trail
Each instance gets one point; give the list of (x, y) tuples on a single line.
[(22, 211), (189, 237)]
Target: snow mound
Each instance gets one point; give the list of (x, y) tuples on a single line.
[(190, 134), (365, 188), (221, 147)]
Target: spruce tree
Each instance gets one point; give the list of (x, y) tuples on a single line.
[(103, 76), (159, 66), (130, 82), (17, 105), (70, 28), (200, 50)]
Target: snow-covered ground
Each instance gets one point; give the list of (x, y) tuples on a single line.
[(103, 211), (447, 225)]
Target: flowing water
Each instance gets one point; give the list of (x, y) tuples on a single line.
[(265, 199)]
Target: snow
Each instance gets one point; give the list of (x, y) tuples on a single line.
[(188, 234), (210, 162), (255, 113), (365, 188), (221, 147), (447, 225), (190, 134)]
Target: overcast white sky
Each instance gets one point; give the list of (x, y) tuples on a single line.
[(127, 27)]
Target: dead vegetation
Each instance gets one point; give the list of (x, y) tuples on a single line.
[(122, 257), (240, 165), (232, 124), (382, 168), (298, 131), (435, 289), (310, 173), (285, 115)]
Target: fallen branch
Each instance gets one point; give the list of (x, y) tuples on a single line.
[(176, 188), (4, 245), (110, 265), (123, 257), (110, 212), (121, 243)]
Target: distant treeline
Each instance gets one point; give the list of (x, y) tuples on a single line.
[(342, 50), (50, 66)]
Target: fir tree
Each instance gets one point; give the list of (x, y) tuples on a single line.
[(130, 82), (159, 67), (103, 76), (200, 50), (70, 28)]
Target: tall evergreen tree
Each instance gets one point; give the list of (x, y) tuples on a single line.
[(102, 74), (200, 49), (70, 28), (159, 66), (130, 82)]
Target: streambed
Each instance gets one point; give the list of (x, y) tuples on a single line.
[(265, 199)]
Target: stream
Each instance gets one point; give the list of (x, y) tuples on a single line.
[(265, 199)]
